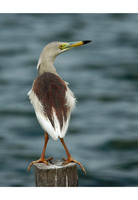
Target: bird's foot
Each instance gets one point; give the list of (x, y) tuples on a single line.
[(70, 159), (40, 160)]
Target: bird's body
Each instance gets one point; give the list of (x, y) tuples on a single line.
[(53, 104), (51, 97)]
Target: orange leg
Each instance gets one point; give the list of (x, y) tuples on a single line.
[(42, 158), (69, 158)]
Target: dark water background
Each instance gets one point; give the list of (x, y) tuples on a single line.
[(103, 133)]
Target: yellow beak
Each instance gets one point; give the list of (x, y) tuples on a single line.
[(78, 43), (66, 46)]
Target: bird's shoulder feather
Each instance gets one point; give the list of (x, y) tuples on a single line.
[(51, 92)]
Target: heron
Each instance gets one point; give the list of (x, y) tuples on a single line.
[(52, 100)]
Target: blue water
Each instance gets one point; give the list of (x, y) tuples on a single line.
[(103, 132)]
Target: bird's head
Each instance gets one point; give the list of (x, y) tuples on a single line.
[(53, 49)]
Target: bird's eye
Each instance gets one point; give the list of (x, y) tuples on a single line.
[(61, 46)]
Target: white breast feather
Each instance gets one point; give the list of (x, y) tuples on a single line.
[(45, 122), (39, 61), (70, 99)]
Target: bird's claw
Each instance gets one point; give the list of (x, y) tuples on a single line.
[(70, 159), (41, 160)]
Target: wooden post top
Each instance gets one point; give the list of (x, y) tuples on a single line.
[(55, 174)]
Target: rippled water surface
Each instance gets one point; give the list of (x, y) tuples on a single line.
[(103, 133)]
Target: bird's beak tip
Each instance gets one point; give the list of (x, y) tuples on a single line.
[(86, 41)]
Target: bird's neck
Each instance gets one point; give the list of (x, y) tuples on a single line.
[(46, 66)]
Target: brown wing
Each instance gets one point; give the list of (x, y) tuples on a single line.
[(51, 91)]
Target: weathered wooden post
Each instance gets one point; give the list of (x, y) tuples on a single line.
[(55, 174)]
